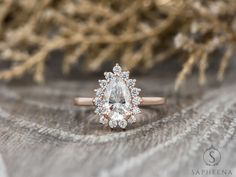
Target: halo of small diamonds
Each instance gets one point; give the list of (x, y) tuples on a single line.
[(117, 99)]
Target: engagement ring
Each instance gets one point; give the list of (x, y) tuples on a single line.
[(117, 100)]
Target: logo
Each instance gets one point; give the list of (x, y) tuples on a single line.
[(212, 156)]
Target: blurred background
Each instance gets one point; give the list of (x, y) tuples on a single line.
[(54, 50), (70, 38)]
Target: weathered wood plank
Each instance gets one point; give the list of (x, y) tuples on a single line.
[(42, 134)]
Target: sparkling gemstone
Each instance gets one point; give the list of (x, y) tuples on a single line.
[(100, 110), (122, 123), (117, 69), (108, 75), (135, 91), (136, 100), (125, 75), (131, 82), (136, 110), (102, 83), (132, 119), (103, 120), (117, 116), (117, 95), (112, 123), (99, 92), (98, 101)]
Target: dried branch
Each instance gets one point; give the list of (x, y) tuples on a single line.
[(104, 30)]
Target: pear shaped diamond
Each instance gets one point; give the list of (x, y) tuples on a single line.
[(118, 102), (118, 96)]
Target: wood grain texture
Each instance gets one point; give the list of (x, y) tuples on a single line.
[(43, 135)]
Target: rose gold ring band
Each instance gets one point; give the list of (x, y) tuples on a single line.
[(88, 101)]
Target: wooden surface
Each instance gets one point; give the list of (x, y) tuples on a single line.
[(43, 135)]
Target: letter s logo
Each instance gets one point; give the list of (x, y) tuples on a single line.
[(212, 156)]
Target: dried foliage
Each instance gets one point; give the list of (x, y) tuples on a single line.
[(141, 33)]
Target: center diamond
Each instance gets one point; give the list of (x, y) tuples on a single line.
[(117, 96)]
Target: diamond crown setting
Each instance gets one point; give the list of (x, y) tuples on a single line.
[(117, 99)]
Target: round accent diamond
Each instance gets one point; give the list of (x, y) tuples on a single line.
[(135, 91), (122, 123), (117, 69), (99, 92), (131, 82), (132, 119), (125, 75), (100, 110), (136, 110), (136, 100), (108, 75), (102, 83), (103, 120), (98, 101), (112, 123)]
